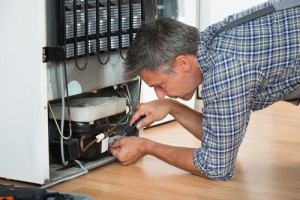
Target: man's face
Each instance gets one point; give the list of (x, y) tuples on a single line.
[(174, 85)]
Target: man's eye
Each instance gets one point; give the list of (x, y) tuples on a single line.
[(159, 87)]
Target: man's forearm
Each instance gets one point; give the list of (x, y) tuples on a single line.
[(181, 157), (190, 119)]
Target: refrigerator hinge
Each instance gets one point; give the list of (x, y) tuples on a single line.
[(54, 54)]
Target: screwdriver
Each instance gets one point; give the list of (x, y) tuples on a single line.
[(133, 126)]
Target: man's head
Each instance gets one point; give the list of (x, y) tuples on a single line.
[(157, 49)]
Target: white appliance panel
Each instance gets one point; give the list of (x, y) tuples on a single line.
[(23, 83)]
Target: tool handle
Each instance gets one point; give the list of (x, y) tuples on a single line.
[(133, 126), (138, 120)]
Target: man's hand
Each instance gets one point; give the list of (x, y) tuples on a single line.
[(154, 110), (128, 150)]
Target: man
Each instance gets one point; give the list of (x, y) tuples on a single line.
[(243, 69)]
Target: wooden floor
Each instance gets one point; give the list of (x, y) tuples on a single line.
[(268, 166)]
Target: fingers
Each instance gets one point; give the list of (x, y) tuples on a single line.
[(115, 144), (136, 115), (142, 110), (127, 150), (116, 148), (154, 111), (114, 152)]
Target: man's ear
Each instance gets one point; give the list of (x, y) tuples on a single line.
[(182, 63)]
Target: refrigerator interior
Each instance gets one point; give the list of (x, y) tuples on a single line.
[(98, 102)]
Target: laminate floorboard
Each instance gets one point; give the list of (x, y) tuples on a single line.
[(267, 167)]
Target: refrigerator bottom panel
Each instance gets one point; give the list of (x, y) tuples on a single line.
[(60, 173)]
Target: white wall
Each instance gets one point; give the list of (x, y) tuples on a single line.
[(212, 11)]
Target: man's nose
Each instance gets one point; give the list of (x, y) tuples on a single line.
[(159, 93)]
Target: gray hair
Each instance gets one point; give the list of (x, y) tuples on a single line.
[(157, 44)]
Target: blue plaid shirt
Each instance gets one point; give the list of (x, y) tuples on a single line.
[(247, 68)]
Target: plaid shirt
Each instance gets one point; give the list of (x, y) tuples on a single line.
[(247, 68)]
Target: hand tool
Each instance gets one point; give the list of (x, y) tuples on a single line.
[(133, 126)]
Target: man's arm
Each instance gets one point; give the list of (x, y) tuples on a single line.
[(156, 110), (130, 150)]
